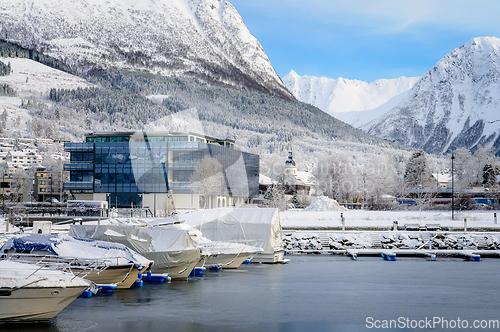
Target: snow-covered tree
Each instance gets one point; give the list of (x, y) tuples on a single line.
[(490, 173), (417, 172), (207, 179), (274, 197), (378, 180), (334, 176)]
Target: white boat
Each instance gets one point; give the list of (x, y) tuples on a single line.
[(99, 261), (31, 293), (224, 254), (170, 246), (251, 226)]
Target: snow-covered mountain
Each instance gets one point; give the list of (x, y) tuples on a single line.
[(455, 104), (343, 98), (206, 39)]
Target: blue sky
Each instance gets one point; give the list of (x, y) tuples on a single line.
[(363, 39)]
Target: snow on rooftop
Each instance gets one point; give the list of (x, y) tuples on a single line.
[(265, 180)]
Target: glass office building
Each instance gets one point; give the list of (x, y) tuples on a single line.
[(147, 168)]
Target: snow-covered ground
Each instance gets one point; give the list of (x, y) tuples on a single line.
[(30, 78), (367, 219)]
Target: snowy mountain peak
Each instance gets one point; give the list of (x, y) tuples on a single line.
[(483, 42), (455, 104), (292, 74), (342, 95), (206, 39)]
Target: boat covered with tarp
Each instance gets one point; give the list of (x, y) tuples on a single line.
[(99, 261), (32, 293), (255, 227), (169, 246)]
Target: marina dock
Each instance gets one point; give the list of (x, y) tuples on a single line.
[(391, 254)]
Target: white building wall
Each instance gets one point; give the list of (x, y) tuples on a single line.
[(186, 201)]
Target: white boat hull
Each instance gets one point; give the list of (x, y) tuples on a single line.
[(36, 304), (275, 257), (176, 272), (226, 261)]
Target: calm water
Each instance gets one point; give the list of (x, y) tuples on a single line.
[(311, 293)]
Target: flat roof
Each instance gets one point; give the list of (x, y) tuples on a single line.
[(154, 133)]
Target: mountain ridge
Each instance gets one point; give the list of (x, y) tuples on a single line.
[(203, 39), (342, 95), (455, 104)]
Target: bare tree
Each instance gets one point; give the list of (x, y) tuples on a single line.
[(21, 184), (207, 179), (335, 177)]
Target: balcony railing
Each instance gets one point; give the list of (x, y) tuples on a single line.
[(78, 185), (78, 147), (79, 167)]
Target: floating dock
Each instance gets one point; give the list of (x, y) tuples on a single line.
[(198, 272), (159, 278), (392, 254), (106, 288)]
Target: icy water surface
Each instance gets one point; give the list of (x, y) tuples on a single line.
[(311, 293)]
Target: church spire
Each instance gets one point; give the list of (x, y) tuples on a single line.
[(290, 162)]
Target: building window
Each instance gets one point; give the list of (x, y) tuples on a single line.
[(187, 157), (182, 176)]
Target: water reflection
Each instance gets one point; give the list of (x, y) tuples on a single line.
[(320, 293)]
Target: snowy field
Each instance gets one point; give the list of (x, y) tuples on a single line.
[(30, 78), (359, 219)]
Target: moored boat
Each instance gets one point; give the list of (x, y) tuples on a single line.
[(99, 261), (225, 254), (31, 293), (251, 226), (169, 246)]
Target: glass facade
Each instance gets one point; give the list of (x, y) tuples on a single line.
[(126, 165)]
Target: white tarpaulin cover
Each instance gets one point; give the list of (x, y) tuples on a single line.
[(168, 246), (252, 226), (66, 246), (19, 275)]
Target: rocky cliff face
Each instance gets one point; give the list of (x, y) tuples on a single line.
[(455, 104), (206, 39)]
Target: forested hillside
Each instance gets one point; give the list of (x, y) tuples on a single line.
[(121, 98)]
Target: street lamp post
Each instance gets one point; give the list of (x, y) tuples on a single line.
[(108, 200), (3, 193), (142, 203), (51, 197), (452, 189), (420, 201)]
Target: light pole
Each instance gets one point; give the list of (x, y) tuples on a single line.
[(452, 189), (142, 203), (420, 201), (3, 193), (51, 197), (108, 200)]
